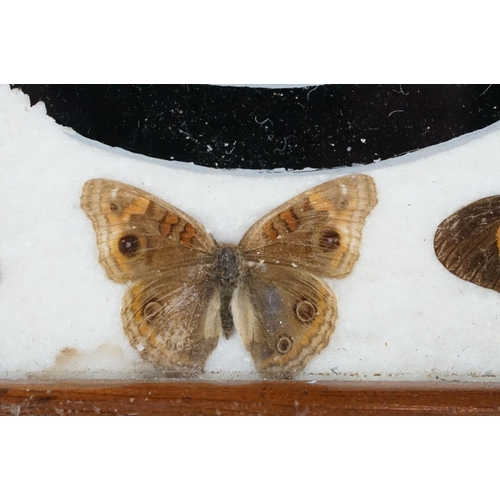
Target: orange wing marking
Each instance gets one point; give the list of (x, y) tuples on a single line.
[(290, 220), (188, 234), (168, 223)]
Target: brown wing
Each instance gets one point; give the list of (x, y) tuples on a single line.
[(173, 319), (139, 234), (318, 231), (284, 317), (467, 243)]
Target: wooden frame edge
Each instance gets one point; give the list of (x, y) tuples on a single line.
[(246, 398)]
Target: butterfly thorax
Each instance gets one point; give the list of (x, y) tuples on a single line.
[(227, 265), (228, 271)]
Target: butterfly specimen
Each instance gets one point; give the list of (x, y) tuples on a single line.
[(467, 243), (186, 290)]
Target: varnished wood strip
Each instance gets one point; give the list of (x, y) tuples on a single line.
[(253, 398)]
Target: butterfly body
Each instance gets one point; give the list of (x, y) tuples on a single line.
[(227, 274), (185, 290)]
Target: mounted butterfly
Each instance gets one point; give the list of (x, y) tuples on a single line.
[(186, 290)]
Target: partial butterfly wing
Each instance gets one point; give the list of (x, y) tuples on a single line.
[(139, 234), (467, 243), (318, 231), (173, 319), (171, 309), (284, 313), (285, 317)]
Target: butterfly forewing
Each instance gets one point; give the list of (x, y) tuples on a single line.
[(318, 231), (139, 234)]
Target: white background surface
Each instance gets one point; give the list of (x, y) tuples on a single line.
[(402, 316)]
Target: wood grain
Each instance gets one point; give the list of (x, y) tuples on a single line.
[(251, 398)]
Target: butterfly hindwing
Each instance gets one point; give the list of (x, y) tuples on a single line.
[(173, 319), (284, 317)]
